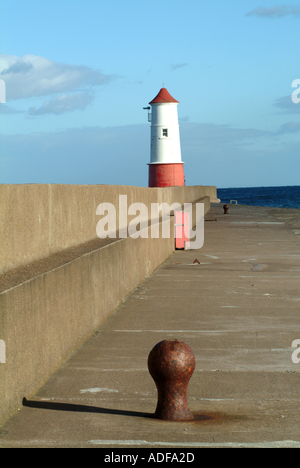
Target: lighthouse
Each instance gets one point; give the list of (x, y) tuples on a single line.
[(165, 167)]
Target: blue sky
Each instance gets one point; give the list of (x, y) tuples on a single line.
[(78, 74)]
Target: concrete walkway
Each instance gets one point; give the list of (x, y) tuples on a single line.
[(239, 311)]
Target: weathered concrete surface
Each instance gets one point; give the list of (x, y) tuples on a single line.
[(48, 315), (50, 306), (239, 311)]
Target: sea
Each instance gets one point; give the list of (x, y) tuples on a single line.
[(280, 197)]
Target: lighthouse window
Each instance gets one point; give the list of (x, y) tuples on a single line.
[(165, 132)]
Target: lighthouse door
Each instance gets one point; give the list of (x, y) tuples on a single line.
[(182, 241)]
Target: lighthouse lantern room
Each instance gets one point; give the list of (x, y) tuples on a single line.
[(165, 167)]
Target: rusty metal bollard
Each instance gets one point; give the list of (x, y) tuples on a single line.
[(226, 208), (171, 365)]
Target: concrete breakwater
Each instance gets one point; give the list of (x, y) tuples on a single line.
[(238, 310), (59, 281)]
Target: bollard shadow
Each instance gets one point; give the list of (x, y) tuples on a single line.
[(82, 408)]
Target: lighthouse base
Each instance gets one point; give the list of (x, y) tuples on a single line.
[(166, 175)]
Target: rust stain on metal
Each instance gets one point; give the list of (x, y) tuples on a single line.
[(217, 417), (210, 418), (171, 365)]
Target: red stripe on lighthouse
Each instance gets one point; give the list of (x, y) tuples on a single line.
[(166, 175)]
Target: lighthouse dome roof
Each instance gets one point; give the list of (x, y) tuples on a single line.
[(163, 97)]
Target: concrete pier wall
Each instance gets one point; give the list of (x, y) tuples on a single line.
[(38, 220), (54, 294)]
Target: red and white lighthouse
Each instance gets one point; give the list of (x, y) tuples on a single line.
[(166, 167)]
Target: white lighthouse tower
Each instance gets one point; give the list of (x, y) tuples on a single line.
[(166, 167)]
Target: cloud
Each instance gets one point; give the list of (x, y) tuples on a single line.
[(214, 155), (33, 76), (176, 66), (4, 109), (88, 155), (228, 156), (289, 127), (287, 106), (63, 103), (220, 135), (277, 11)]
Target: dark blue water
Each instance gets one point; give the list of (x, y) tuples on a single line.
[(280, 197)]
